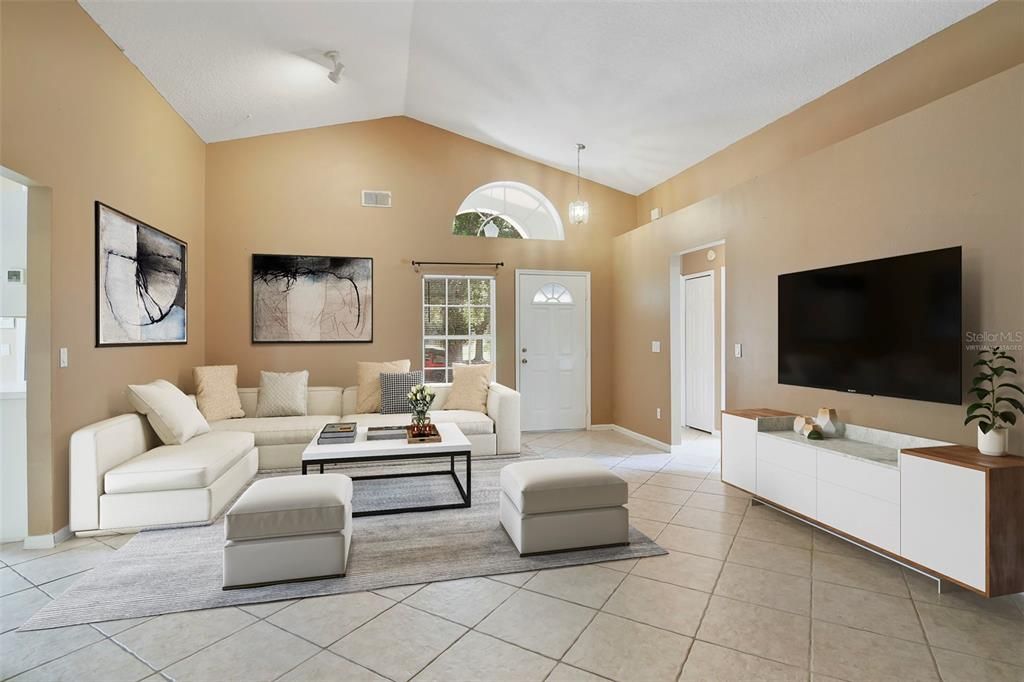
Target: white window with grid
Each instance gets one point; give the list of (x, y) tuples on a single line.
[(458, 324)]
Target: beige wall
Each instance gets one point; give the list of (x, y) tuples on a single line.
[(298, 193), (945, 174), (79, 118), (971, 50), (692, 263)]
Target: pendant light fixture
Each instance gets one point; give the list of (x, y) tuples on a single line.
[(579, 210)]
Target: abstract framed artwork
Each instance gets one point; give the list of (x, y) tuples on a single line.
[(312, 299), (141, 282)]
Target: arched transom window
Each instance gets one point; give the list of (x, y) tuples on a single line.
[(552, 293), (510, 210)]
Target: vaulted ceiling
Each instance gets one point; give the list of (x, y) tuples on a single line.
[(650, 88)]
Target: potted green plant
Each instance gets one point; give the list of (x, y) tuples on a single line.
[(995, 408)]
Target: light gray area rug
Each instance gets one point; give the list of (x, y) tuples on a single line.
[(170, 570)]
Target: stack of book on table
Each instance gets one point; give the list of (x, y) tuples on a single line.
[(385, 432), (337, 434)]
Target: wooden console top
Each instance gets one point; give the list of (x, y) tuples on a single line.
[(966, 456), (758, 413)]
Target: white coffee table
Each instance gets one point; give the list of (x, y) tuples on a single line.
[(453, 443)]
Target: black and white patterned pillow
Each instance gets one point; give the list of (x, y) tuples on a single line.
[(394, 391)]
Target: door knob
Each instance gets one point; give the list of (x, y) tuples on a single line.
[(524, 349), (523, 361)]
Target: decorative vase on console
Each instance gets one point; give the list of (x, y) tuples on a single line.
[(997, 402), (420, 400), (800, 422), (829, 422)]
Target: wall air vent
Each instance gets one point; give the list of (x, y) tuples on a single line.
[(376, 198)]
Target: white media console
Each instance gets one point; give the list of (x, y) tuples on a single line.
[(944, 509)]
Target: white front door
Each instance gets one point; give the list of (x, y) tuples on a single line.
[(553, 347), (699, 349)]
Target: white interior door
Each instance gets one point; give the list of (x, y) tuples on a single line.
[(553, 347), (699, 349)]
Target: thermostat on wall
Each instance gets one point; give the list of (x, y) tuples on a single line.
[(16, 276)]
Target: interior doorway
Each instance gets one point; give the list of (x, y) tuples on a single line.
[(706, 370), (699, 351), (13, 360), (553, 349)]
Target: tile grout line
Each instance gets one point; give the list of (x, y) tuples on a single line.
[(598, 611), (471, 628), (202, 648), (704, 611), (73, 651), (322, 649), (924, 631)]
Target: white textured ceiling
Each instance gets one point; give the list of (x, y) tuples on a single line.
[(650, 88)]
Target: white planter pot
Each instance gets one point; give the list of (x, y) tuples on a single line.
[(992, 443)]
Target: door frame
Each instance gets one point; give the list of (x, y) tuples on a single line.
[(557, 273), (675, 287), (682, 337)]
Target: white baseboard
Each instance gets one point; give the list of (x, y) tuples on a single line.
[(664, 447), (48, 540)]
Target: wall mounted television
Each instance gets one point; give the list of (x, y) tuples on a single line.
[(888, 327)]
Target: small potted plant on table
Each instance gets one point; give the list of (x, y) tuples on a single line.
[(420, 400), (996, 406)]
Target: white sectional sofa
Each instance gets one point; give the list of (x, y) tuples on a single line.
[(121, 477), (281, 439)]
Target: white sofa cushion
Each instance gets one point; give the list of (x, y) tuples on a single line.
[(283, 394), (319, 400), (368, 378), (172, 414), (196, 464), (556, 485), (471, 423), (217, 392), (290, 505), (469, 387), (278, 430)]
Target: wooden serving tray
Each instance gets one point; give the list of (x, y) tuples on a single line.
[(432, 436)]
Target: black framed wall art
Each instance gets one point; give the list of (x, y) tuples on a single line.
[(141, 282), (312, 299)]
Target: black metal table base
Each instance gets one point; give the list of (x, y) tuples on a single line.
[(465, 492)]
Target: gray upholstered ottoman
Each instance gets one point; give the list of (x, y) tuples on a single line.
[(561, 504), (288, 528)]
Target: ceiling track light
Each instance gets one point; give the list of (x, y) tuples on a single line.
[(336, 67), (579, 210)]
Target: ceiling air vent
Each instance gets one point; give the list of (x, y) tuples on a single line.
[(376, 198)]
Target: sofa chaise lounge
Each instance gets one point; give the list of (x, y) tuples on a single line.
[(121, 477)]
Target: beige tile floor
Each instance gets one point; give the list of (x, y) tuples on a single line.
[(746, 593)]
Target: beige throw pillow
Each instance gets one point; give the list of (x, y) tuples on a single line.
[(172, 414), (470, 384), (282, 394), (217, 392), (368, 381)]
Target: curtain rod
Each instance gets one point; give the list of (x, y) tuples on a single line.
[(417, 263)]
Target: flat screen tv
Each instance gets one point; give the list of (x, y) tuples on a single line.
[(887, 327)]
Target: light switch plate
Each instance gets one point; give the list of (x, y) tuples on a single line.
[(738, 350), (62, 357), (655, 346)]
